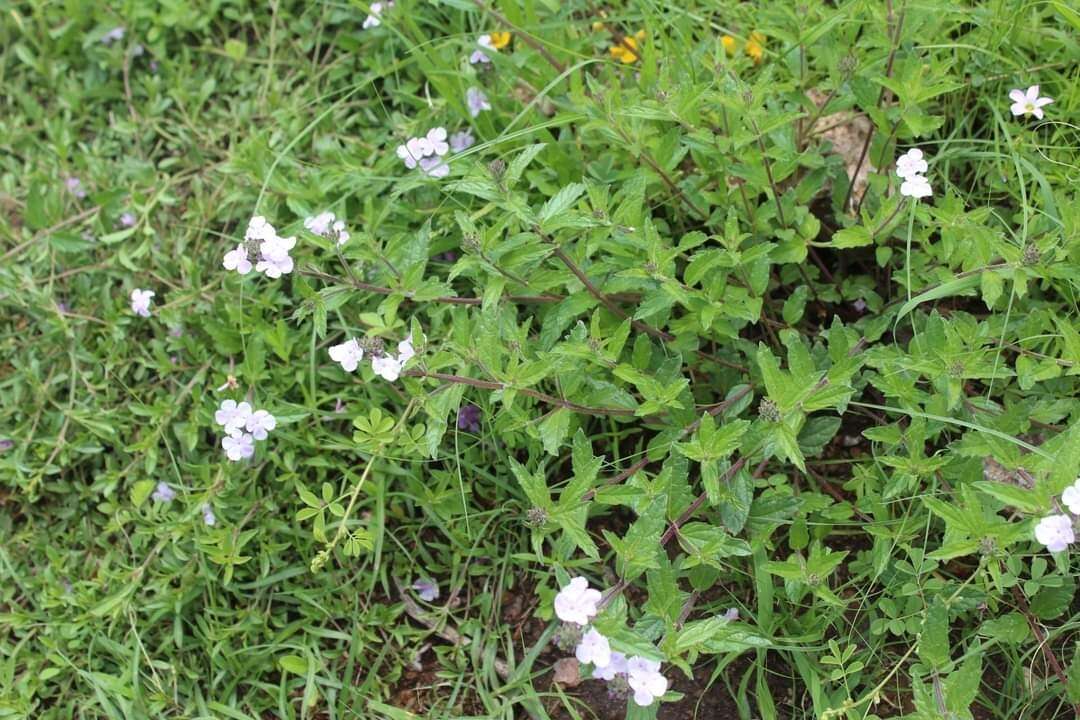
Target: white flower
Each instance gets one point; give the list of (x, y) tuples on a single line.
[(594, 648), (476, 100), (576, 603), (320, 224), (260, 423), (140, 302), (644, 678), (114, 35), (1071, 497), (436, 137), (426, 589), (616, 666), (911, 163), (375, 16), (479, 56), (915, 186), (348, 353), (387, 367), (1028, 103), (163, 493), (341, 233), (237, 447), (461, 141), (405, 350), (274, 259), (233, 416), (731, 614), (434, 167), (208, 515), (1055, 532), (258, 229), (237, 260)]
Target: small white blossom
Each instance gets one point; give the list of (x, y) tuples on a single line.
[(387, 367), (114, 35), (233, 416), (258, 229), (208, 515), (239, 446), (731, 614), (237, 260), (260, 423), (1028, 103), (320, 224), (476, 101), (140, 302), (374, 18), (348, 354), (645, 680), (916, 187), (406, 351), (434, 167), (274, 259), (461, 141), (163, 493), (1071, 497), (480, 56), (911, 163), (1055, 532), (616, 666), (576, 603), (594, 648), (436, 137), (341, 233)]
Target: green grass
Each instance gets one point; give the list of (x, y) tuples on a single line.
[(901, 404)]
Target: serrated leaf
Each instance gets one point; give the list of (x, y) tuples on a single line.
[(934, 637)]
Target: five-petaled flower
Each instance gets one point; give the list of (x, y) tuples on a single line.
[(140, 302), (320, 224), (916, 187), (237, 260), (911, 163), (239, 446), (577, 602), (1055, 532), (476, 101), (479, 56), (348, 354), (1029, 102), (274, 258), (645, 680), (617, 665), (163, 493), (260, 423), (233, 416), (461, 141), (594, 648)]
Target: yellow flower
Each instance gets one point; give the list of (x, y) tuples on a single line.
[(755, 46), (499, 40), (729, 44), (627, 51)]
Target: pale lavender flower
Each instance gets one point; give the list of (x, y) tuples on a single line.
[(476, 101), (233, 416), (237, 259), (434, 167), (320, 224), (208, 515), (731, 614), (163, 493), (594, 648), (480, 56), (75, 186), (348, 354), (274, 259), (577, 602), (140, 302), (114, 35), (645, 680), (127, 219), (427, 589), (436, 137), (461, 141), (238, 447), (859, 305), (260, 423), (414, 150), (374, 18), (1055, 532), (6, 444), (911, 163), (617, 665)]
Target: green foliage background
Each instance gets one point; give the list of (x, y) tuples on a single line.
[(704, 378)]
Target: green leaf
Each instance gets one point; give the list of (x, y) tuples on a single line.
[(553, 430), (533, 484), (855, 236), (293, 664), (559, 203), (140, 491), (934, 637)]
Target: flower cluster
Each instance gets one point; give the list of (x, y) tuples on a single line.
[(1056, 531), (628, 50), (577, 603), (243, 426), (386, 365), (270, 250), (327, 225), (911, 168), (374, 17)]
